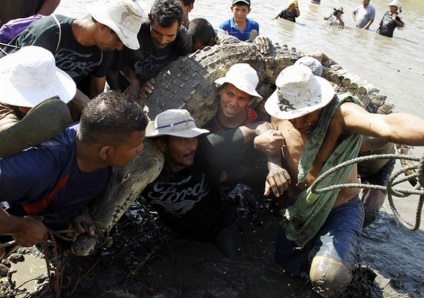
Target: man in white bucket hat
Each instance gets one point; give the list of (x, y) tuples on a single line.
[(84, 47), (187, 193), (33, 99), (314, 129), (237, 99)]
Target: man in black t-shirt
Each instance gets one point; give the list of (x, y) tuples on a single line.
[(187, 194), (162, 40)]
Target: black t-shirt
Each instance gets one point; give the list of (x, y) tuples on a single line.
[(148, 60), (387, 25), (190, 201), (76, 60)]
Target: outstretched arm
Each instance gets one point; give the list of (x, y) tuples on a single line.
[(401, 128)]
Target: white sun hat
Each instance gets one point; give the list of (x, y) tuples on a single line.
[(312, 63), (298, 93), (124, 17), (29, 76), (174, 122), (394, 3), (243, 77)]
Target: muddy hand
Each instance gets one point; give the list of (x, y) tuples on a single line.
[(277, 181), (269, 142), (83, 224), (132, 92), (263, 44), (31, 231), (147, 88)]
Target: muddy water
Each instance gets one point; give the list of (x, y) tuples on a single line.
[(393, 65)]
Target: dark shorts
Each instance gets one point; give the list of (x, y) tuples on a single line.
[(339, 239), (382, 176)]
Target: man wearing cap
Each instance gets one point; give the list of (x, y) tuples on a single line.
[(83, 47), (47, 185), (291, 12), (336, 18), (237, 90), (162, 40), (314, 129), (187, 193), (240, 25), (364, 15), (33, 99)]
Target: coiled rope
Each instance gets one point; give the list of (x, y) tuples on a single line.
[(394, 180)]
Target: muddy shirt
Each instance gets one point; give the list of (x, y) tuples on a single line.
[(50, 169), (76, 60), (148, 60), (191, 200)]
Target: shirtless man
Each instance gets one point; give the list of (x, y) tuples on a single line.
[(315, 129)]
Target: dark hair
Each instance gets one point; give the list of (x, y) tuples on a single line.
[(111, 117), (166, 12), (201, 30), (188, 2)]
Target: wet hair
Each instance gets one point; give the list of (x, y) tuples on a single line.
[(201, 31), (166, 12), (111, 118), (188, 2)]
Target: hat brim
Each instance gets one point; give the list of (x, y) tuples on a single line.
[(128, 38), (322, 96), (63, 87), (186, 133), (251, 91)]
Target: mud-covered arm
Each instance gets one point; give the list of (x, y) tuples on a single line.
[(134, 84)]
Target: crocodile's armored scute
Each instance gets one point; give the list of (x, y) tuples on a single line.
[(189, 81)]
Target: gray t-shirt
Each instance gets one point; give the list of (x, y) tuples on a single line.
[(364, 15)]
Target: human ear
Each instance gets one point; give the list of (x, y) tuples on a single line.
[(105, 152)]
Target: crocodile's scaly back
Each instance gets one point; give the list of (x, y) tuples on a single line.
[(189, 81)]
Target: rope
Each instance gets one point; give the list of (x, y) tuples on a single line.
[(393, 181)]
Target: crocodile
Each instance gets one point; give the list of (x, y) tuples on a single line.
[(188, 83)]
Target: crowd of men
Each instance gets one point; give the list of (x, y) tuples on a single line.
[(61, 133)]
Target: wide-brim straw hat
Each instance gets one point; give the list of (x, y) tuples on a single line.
[(29, 76), (298, 93), (174, 122)]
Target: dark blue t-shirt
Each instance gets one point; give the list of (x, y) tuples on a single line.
[(31, 175)]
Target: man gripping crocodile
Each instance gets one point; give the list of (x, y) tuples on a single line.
[(314, 129)]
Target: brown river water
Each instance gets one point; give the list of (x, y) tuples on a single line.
[(393, 65)]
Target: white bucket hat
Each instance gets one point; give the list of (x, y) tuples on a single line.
[(298, 93), (394, 3), (174, 122), (124, 17), (243, 76), (29, 76), (312, 63)]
